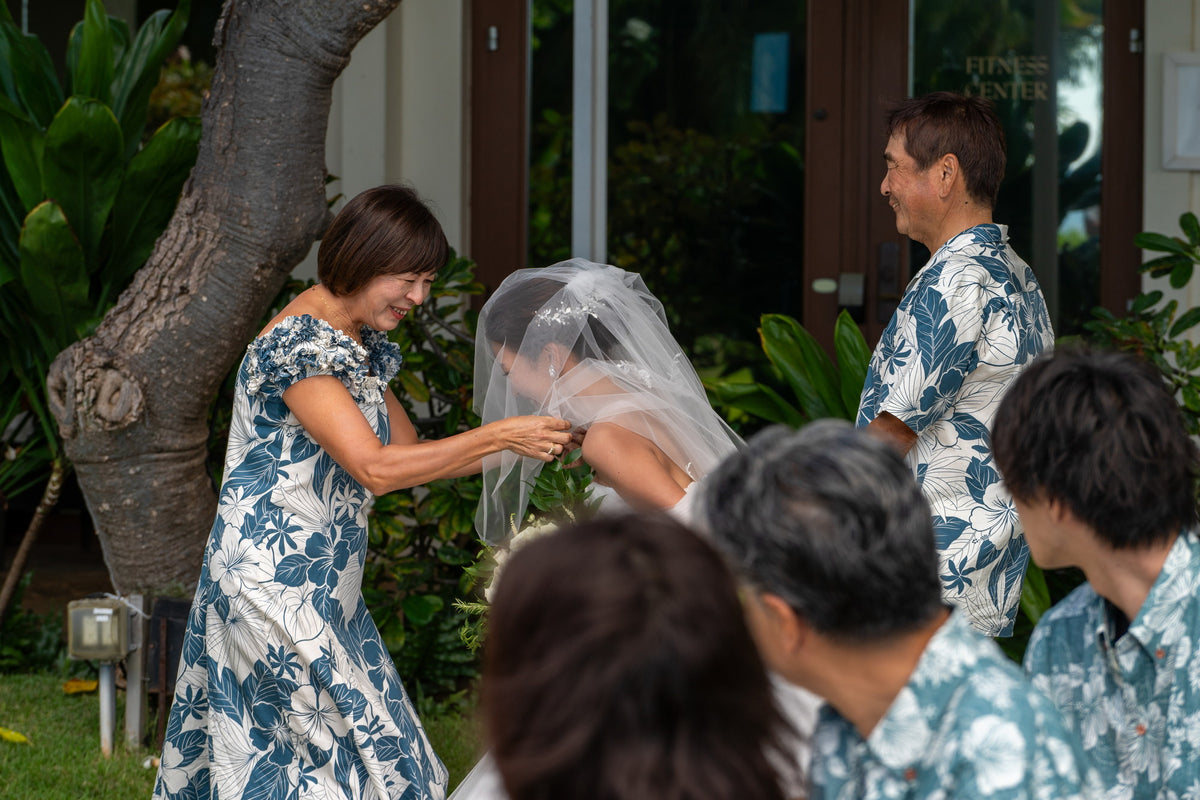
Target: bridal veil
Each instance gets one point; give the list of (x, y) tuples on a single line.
[(588, 343)]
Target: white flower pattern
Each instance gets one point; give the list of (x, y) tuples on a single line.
[(283, 670), (1133, 699), (985, 734), (969, 322)]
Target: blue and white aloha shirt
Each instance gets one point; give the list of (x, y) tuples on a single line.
[(967, 725), (970, 321), (1134, 699)]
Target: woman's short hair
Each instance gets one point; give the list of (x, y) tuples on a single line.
[(386, 230), (967, 126), (618, 665), (1100, 432)]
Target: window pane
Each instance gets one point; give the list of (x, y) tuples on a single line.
[(705, 169), (1041, 64)]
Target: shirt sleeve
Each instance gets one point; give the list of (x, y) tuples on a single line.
[(940, 332)]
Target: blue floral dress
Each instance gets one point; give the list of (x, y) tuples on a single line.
[(285, 689)]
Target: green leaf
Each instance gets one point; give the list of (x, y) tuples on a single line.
[(853, 357), (53, 272), (1191, 227), (412, 386), (757, 399), (82, 167), (22, 144), (1035, 594), (1181, 273), (28, 76), (92, 73), (804, 365), (420, 609), (148, 194), (1161, 267), (1160, 243), (138, 72), (1140, 303), (1188, 320)]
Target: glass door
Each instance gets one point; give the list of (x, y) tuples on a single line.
[(1042, 65), (704, 155)]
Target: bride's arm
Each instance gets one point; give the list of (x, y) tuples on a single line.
[(632, 465)]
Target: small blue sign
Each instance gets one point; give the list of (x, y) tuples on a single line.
[(769, 75)]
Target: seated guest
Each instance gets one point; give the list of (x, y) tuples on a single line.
[(1096, 454), (833, 538), (618, 666)]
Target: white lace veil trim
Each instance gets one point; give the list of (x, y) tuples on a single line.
[(623, 367)]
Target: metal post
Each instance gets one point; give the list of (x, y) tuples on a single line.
[(108, 706), (589, 142), (135, 673)]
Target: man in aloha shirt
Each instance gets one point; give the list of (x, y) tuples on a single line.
[(1104, 474), (833, 541), (968, 323)]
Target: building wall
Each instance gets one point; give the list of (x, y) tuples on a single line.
[(1171, 26), (398, 116)]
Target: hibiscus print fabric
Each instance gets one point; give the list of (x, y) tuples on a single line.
[(1134, 699), (969, 322), (285, 689), (967, 724)]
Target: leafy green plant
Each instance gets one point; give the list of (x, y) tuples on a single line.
[(560, 495), (1157, 332), (30, 642), (82, 202), (820, 386)]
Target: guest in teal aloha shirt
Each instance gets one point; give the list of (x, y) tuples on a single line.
[(967, 724), (1103, 472), (834, 542), (969, 321)]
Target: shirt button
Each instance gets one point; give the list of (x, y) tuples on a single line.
[(1160, 653), (910, 774), (1141, 729)]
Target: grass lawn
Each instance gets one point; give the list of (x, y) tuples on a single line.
[(63, 758)]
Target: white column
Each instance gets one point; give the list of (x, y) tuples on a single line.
[(589, 144)]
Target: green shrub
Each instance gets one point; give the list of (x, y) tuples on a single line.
[(82, 202)]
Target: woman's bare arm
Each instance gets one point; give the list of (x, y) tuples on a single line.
[(328, 413)]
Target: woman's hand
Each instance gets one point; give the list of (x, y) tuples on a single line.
[(543, 438)]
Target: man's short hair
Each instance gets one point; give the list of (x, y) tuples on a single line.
[(831, 520), (944, 122), (1099, 431)]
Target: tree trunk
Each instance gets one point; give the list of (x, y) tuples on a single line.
[(132, 399)]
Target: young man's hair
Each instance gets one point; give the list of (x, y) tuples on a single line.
[(944, 122), (831, 520), (1099, 431)]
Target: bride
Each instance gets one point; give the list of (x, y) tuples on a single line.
[(589, 343)]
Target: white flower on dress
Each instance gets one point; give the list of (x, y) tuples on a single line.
[(240, 636), (315, 717), (997, 749), (170, 770), (235, 566), (234, 755), (236, 505)]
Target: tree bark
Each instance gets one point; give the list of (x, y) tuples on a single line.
[(132, 399)]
